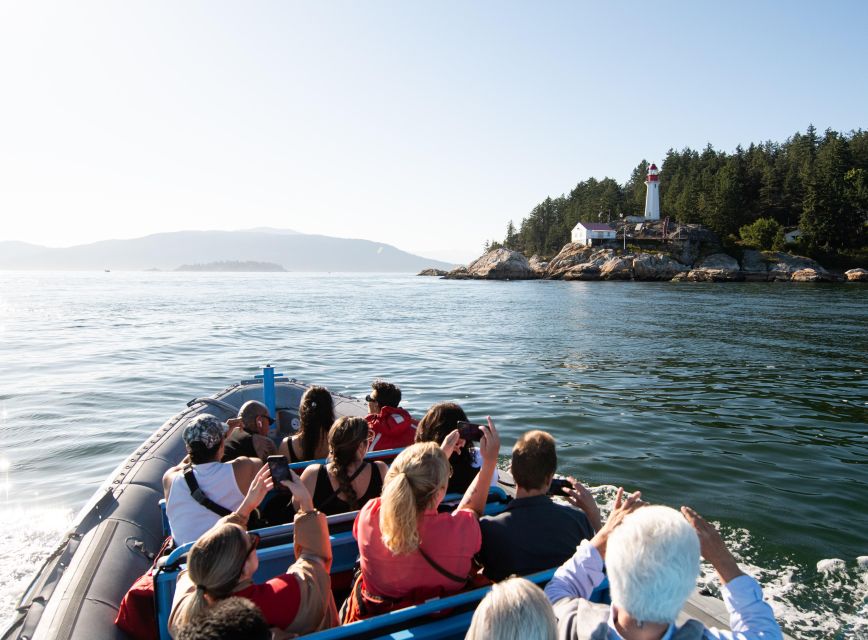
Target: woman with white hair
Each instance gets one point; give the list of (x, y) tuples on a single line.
[(515, 609), (652, 560)]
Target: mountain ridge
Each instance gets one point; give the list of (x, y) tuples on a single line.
[(170, 249)]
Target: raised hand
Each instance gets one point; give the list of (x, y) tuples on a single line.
[(259, 487), (452, 443), (580, 497), (489, 445), (712, 546), (301, 498), (623, 507)]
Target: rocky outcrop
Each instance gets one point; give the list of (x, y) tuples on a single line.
[(856, 275), (572, 255), (754, 267), (782, 266), (648, 266), (537, 265), (718, 267), (813, 275), (777, 266), (618, 268), (500, 264), (432, 272), (591, 269), (586, 271)]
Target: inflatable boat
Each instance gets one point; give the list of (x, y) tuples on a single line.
[(114, 538)]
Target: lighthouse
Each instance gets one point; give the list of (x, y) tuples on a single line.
[(652, 194)]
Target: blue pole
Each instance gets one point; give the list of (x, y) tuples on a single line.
[(269, 394)]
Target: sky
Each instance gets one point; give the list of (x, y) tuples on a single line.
[(424, 125)]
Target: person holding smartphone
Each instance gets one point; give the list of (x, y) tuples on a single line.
[(535, 533), (222, 562), (439, 421)]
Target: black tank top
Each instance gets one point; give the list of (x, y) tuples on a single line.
[(326, 499), (292, 456), (240, 443)]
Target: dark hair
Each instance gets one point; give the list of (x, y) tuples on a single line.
[(388, 395), (440, 420), (230, 619), (345, 436), (534, 460), (199, 454), (250, 411), (316, 413)]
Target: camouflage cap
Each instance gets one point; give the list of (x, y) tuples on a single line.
[(206, 429)]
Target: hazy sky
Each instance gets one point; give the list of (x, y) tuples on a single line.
[(424, 125)]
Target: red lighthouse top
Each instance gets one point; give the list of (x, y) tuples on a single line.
[(652, 173)]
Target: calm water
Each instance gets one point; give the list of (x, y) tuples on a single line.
[(746, 401)]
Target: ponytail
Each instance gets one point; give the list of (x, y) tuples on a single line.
[(345, 437), (411, 484)]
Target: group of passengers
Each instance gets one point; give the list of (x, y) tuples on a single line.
[(412, 547)]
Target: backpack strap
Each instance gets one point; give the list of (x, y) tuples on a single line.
[(199, 495), (443, 571)]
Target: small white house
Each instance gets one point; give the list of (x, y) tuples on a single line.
[(590, 233)]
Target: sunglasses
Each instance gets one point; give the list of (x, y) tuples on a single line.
[(370, 398), (271, 420)]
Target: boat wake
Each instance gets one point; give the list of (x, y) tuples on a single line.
[(829, 600), (27, 537)]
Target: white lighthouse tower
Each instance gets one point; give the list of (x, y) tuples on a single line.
[(652, 195)]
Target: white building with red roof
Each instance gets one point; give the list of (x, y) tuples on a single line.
[(652, 194), (590, 233)]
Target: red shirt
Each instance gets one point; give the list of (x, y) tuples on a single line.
[(395, 427), (450, 539), (279, 599)]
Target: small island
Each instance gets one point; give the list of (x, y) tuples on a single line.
[(248, 266)]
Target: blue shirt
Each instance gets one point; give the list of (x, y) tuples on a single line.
[(750, 617)]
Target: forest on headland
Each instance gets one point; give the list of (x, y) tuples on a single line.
[(818, 183)]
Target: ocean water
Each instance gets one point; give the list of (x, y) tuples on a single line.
[(746, 401)]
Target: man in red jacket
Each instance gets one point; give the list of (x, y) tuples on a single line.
[(393, 427)]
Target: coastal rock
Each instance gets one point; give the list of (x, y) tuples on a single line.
[(754, 267), (812, 275), (537, 265), (617, 268), (718, 267), (586, 271), (647, 266), (571, 255), (591, 269), (856, 275), (432, 272), (500, 264), (458, 273), (782, 266)]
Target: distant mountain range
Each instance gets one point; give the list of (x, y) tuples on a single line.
[(289, 249)]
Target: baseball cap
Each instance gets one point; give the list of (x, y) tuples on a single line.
[(206, 429)]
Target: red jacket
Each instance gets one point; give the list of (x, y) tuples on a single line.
[(395, 427)]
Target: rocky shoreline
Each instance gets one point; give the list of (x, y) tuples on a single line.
[(579, 262)]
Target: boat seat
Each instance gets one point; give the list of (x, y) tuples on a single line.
[(276, 553), (273, 561), (416, 622)]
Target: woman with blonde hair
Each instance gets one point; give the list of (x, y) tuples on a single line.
[(515, 609), (223, 560), (316, 414), (409, 551), (347, 481)]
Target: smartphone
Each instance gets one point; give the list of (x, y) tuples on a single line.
[(469, 431), (279, 468), (559, 487)]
